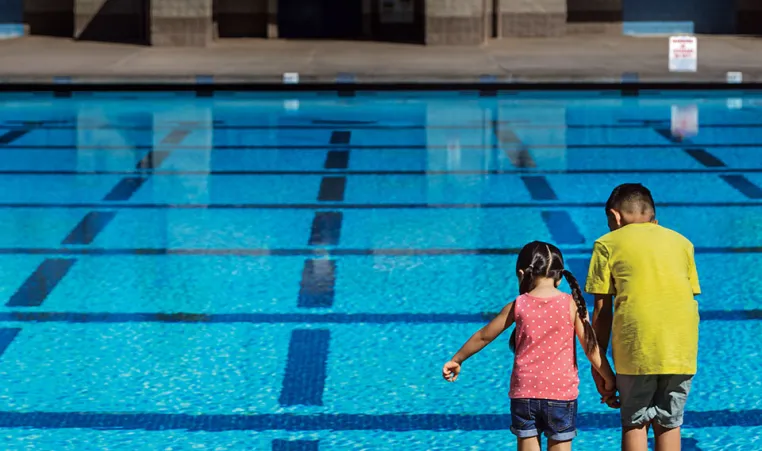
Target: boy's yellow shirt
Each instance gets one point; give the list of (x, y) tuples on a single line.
[(652, 274)]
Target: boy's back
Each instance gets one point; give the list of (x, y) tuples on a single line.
[(651, 271)]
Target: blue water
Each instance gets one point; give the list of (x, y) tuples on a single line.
[(290, 272)]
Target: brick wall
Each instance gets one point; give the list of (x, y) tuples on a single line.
[(533, 18), (454, 22), (237, 18), (594, 16), (181, 22)]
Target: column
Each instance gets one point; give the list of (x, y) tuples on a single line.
[(182, 23), (458, 22), (533, 18)]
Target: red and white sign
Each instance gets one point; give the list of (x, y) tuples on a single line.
[(683, 54), (684, 121)]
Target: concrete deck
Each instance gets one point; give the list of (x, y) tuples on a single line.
[(572, 58)]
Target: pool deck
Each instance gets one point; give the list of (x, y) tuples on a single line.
[(593, 59)]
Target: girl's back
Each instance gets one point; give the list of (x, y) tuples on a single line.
[(545, 361)]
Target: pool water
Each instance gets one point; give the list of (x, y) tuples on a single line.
[(290, 271)]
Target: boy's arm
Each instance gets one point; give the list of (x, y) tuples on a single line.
[(603, 315), (486, 334)]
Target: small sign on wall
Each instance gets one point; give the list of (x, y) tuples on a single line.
[(683, 54), (396, 11)]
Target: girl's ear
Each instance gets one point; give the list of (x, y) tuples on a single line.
[(520, 273)]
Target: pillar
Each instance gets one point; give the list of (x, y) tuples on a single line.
[(183, 23), (455, 22), (533, 18)]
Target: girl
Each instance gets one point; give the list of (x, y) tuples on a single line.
[(544, 382)]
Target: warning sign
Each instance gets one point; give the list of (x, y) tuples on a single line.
[(683, 54)]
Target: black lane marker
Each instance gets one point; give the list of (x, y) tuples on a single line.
[(339, 155), (326, 228), (7, 335), (337, 159), (743, 185), (153, 159), (341, 137), (332, 189), (514, 149), (304, 381), (705, 158), (41, 283), (577, 266), (322, 251), (411, 147), (317, 287), (562, 228), (125, 189), (89, 227), (343, 206), (12, 135), (539, 188), (394, 422), (295, 445)]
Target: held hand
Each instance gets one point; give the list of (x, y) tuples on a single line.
[(610, 397), (450, 371), (607, 390)]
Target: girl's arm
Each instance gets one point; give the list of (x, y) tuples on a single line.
[(478, 341), (597, 356)]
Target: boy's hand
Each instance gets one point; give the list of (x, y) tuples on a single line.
[(607, 390), (450, 371)]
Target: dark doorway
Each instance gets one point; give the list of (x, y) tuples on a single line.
[(707, 16), (320, 19), (121, 21), (408, 29)]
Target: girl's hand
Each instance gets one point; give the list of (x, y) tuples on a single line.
[(609, 396), (450, 371)]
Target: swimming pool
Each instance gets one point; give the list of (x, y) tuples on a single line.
[(290, 271)]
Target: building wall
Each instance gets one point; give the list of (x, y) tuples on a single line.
[(242, 19), (50, 17), (533, 18), (594, 16), (181, 22), (749, 17), (454, 22), (123, 21)]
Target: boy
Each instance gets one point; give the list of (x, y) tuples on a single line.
[(651, 274)]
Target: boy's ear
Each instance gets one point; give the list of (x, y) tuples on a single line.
[(617, 217)]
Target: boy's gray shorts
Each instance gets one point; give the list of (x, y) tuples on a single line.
[(657, 398)]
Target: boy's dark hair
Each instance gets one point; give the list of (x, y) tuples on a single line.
[(631, 198), (539, 259)]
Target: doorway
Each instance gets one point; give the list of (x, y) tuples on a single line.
[(320, 19)]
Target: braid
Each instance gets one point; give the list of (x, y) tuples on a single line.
[(590, 340)]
